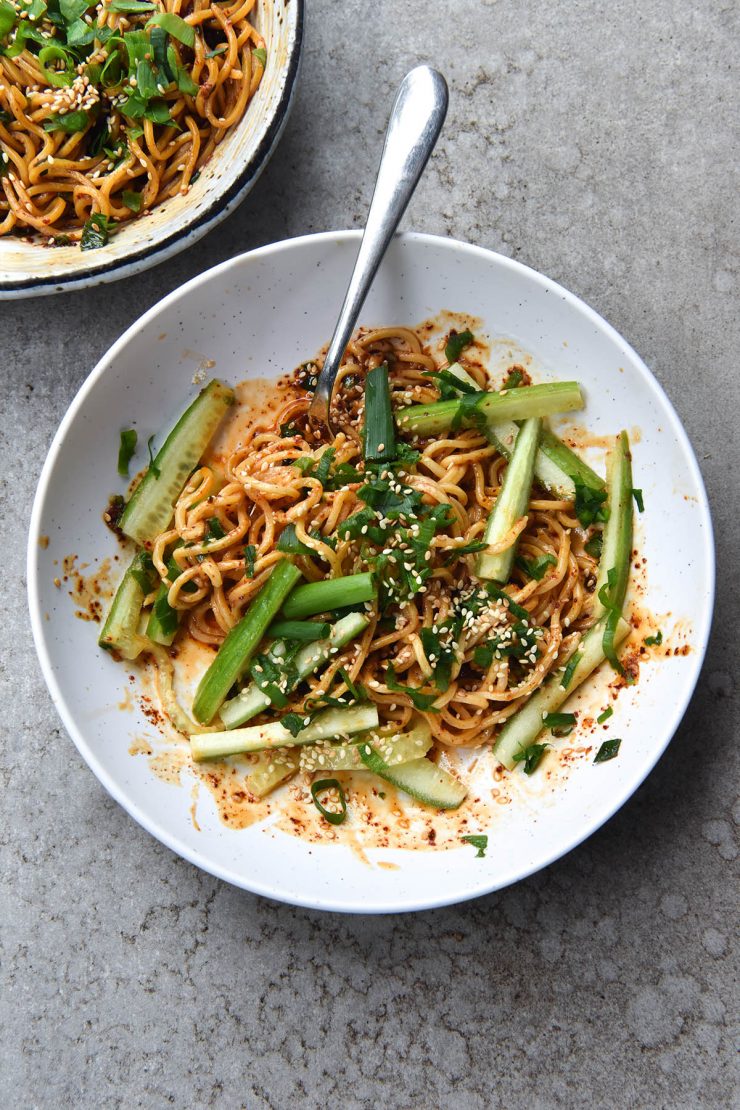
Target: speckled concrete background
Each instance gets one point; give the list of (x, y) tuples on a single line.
[(596, 142)]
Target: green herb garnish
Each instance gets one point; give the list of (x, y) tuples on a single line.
[(531, 757), (637, 494), (605, 715), (514, 378), (594, 545), (250, 558), (126, 451), (419, 699), (608, 750), (132, 200), (536, 568), (456, 344), (152, 464), (560, 724), (655, 640), (479, 841), (570, 669), (96, 232), (589, 503)]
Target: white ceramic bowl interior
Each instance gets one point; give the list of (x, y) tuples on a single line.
[(263, 313), (28, 269)]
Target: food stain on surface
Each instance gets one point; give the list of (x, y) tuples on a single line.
[(43, 542), (91, 592)]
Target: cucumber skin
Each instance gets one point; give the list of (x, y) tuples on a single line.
[(272, 737), (617, 549), (119, 632), (403, 747), (522, 730), (514, 404), (512, 503), (144, 524), (451, 793)]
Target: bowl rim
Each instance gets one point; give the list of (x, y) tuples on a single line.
[(193, 855), (222, 205)]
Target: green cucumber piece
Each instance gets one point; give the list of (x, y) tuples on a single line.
[(149, 511), (522, 729), (555, 464), (511, 504), (616, 552), (270, 769), (242, 641), (513, 404), (120, 631), (258, 738), (393, 747), (252, 700), (422, 779)]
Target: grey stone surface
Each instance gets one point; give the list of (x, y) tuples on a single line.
[(598, 143)]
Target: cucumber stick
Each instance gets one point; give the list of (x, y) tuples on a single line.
[(120, 631), (513, 404), (252, 700), (616, 552), (555, 464), (521, 730), (259, 738), (511, 504), (393, 747), (150, 509), (270, 770), (422, 779), (242, 641)]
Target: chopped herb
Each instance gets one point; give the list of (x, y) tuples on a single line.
[(291, 545), (357, 692), (132, 200), (466, 549), (70, 122), (589, 503), (324, 465), (96, 232), (531, 757), (214, 529), (509, 603), (518, 641), (442, 654), (570, 669), (478, 841), (218, 50), (250, 557), (514, 378), (333, 816), (419, 700), (605, 715), (608, 750), (594, 546), (260, 55), (469, 414), (287, 430), (456, 344), (294, 722), (152, 465), (560, 724), (130, 7), (656, 640), (536, 568), (173, 24), (126, 450), (271, 679), (637, 494)]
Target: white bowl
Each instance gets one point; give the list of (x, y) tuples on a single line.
[(263, 313), (30, 269)]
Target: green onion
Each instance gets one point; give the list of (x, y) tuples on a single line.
[(637, 494), (333, 816), (130, 7), (605, 715), (126, 451), (153, 467), (241, 642), (514, 378), (595, 545), (57, 77), (332, 593), (419, 699), (8, 16), (380, 436), (172, 24), (260, 55), (478, 841), (655, 640), (608, 750), (535, 568), (250, 557), (560, 724), (303, 631)]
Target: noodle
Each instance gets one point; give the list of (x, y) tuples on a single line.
[(260, 492), (112, 112)]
